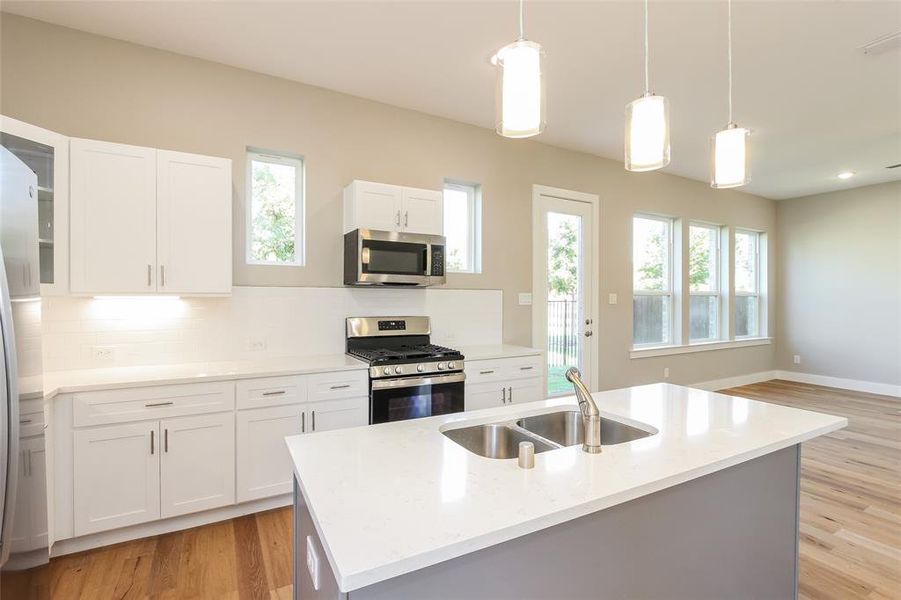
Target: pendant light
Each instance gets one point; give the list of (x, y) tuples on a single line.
[(520, 95), (729, 152), (647, 144)]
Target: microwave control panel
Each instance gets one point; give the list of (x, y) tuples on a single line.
[(437, 261)]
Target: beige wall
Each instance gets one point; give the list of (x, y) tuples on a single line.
[(840, 284), (89, 86)]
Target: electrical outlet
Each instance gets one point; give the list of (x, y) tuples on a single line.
[(611, 299), (525, 299), (256, 344), (797, 359), (103, 353), (313, 563), (666, 372)]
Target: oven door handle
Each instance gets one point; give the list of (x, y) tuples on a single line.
[(382, 384)]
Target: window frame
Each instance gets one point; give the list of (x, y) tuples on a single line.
[(473, 201), (756, 294), (668, 279), (276, 158), (716, 285)]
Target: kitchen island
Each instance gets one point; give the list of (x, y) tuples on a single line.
[(703, 506)]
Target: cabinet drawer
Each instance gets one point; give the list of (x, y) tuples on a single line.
[(343, 384), (136, 404), (523, 367), (31, 417), (503, 369), (271, 391)]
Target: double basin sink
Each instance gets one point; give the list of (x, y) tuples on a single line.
[(549, 431)]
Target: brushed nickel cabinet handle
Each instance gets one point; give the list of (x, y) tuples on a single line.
[(275, 393), (504, 395), (149, 275), (314, 420), (406, 217), (23, 421), (397, 219), (340, 387), (485, 372), (510, 394), (152, 432), (162, 275), (303, 422), (153, 404), (166, 440), (526, 368)]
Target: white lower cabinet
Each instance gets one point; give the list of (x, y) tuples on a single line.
[(338, 414), (501, 381), (484, 395), (197, 463), (525, 390), (117, 476), (30, 526), (263, 464)]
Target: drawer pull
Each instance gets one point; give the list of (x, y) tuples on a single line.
[(526, 368), (276, 393), (153, 404), (23, 421), (485, 372), (152, 434), (340, 387)]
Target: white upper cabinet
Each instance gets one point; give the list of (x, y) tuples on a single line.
[(384, 207), (194, 223), (148, 221), (113, 209)]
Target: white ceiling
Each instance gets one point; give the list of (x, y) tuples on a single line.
[(816, 104)]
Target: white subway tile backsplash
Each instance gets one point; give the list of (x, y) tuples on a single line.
[(254, 323)]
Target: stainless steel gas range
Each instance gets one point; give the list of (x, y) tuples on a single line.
[(409, 377)]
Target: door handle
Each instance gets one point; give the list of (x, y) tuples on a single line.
[(152, 432), (588, 333), (504, 395), (303, 422), (149, 275), (588, 321)]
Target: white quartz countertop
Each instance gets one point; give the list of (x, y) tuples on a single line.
[(497, 351), (393, 498), (59, 382)]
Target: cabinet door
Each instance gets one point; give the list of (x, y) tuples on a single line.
[(37, 473), (263, 463), (338, 414), (423, 211), (197, 469), (194, 223), (524, 390), (113, 216), (117, 476), (19, 541), (369, 205), (484, 395)]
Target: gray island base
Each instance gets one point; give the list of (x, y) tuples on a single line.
[(729, 534)]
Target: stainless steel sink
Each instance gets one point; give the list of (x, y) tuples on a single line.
[(547, 432), (565, 428), (495, 440)]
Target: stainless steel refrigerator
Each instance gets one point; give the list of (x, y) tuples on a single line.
[(23, 485)]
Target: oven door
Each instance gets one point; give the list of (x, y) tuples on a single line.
[(414, 397)]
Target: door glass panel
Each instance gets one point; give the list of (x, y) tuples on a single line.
[(564, 299), (39, 158)]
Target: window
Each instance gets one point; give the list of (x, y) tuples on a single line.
[(747, 284), (462, 227), (652, 281), (275, 209), (703, 282)]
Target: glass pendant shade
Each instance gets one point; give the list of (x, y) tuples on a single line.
[(730, 157), (647, 133), (520, 90)]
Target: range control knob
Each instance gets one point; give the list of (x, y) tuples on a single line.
[(420, 368), (440, 366), (398, 370), (451, 365), (387, 371)]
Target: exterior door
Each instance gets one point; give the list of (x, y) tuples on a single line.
[(113, 217), (563, 295), (423, 211), (194, 234), (263, 464), (117, 476), (197, 463)]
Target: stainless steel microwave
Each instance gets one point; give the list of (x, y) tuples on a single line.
[(391, 258)]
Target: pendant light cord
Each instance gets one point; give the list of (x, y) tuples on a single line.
[(647, 85), (521, 36), (730, 58)]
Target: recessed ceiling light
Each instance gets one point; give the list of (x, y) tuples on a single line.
[(846, 175)]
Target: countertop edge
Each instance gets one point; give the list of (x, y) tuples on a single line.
[(354, 581)]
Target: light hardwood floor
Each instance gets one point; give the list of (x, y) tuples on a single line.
[(850, 526)]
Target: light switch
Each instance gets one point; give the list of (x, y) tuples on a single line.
[(525, 299), (611, 299)]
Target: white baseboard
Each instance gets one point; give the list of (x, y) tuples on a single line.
[(135, 532), (870, 387), (738, 380)]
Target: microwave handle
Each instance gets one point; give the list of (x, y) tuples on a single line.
[(428, 259)]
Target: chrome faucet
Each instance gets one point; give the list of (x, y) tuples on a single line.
[(591, 416)]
